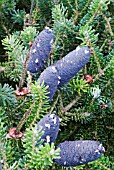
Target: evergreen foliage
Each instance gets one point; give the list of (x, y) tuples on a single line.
[(37, 157), (85, 106), (7, 95), (16, 46)]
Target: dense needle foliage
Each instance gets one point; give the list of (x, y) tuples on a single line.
[(85, 104)]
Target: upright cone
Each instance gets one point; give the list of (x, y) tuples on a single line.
[(50, 126), (72, 63), (80, 152), (40, 50), (51, 79)]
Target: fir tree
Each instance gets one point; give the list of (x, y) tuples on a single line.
[(84, 101)]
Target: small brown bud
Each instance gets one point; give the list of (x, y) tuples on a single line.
[(22, 92), (88, 78), (104, 106), (12, 133)]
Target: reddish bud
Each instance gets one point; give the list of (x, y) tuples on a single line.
[(22, 92), (30, 44), (33, 21), (88, 78), (12, 133), (109, 42), (104, 106)]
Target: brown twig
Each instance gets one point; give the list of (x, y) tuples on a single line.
[(109, 127), (38, 111), (108, 24), (22, 121), (24, 71), (103, 45), (31, 10), (68, 107), (26, 167), (85, 7), (4, 160), (54, 105), (102, 165), (94, 15), (95, 57), (98, 75), (72, 103)]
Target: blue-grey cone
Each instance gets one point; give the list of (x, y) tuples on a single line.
[(80, 152), (40, 50), (72, 63), (0, 166), (51, 79), (50, 126)]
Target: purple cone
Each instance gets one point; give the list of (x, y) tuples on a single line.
[(72, 63), (51, 79), (64, 69), (50, 126), (40, 50), (0, 166), (80, 152)]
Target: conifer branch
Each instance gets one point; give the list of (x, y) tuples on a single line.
[(26, 167), (94, 54), (71, 104), (21, 83), (31, 11), (76, 12), (54, 104), (103, 166), (37, 113), (4, 159), (66, 26), (96, 59), (70, 5), (101, 73), (61, 102), (93, 16), (101, 48), (22, 121), (85, 7), (110, 127), (108, 24), (90, 20)]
